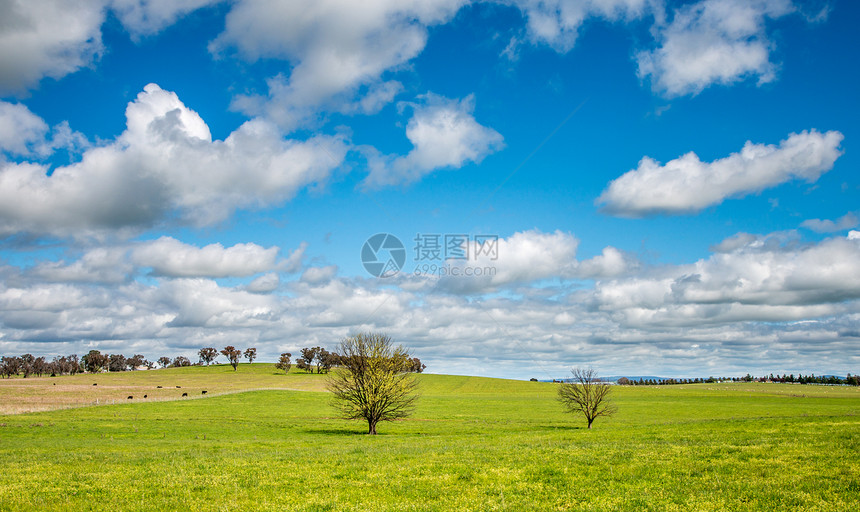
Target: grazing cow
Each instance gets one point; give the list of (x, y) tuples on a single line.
[(203, 392), (158, 387), (130, 397), (95, 383), (144, 396), (178, 387), (184, 394)]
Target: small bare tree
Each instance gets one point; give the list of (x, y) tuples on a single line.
[(586, 394), (373, 382), (250, 354)]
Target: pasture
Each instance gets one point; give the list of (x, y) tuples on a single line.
[(472, 444)]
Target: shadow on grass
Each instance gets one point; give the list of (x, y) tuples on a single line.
[(335, 432)]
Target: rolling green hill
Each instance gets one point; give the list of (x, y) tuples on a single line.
[(473, 444)]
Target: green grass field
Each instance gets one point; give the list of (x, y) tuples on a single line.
[(472, 444)]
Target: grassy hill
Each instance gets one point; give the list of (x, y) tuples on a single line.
[(473, 444)]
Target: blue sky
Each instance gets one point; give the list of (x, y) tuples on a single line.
[(672, 184)]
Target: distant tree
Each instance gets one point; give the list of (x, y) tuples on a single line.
[(250, 354), (135, 361), (232, 354), (117, 363), (302, 364), (416, 366), (40, 366), (208, 354), (533, 379), (310, 356), (284, 362), (95, 361), (180, 361), (326, 360), (27, 364), (11, 366), (624, 381), (585, 393), (373, 382), (164, 361)]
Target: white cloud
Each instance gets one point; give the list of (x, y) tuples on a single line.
[(333, 46), (21, 131), (847, 221), (795, 305), (266, 283), (557, 22), (713, 42), (319, 275), (165, 163), (687, 185), (759, 281), (444, 134), (526, 257), (141, 17), (47, 38), (170, 257), (98, 265), (24, 134)]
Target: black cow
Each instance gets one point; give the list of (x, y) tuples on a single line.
[(130, 397), (184, 394), (203, 392)]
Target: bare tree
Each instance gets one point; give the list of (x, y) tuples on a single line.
[(208, 354), (164, 361), (232, 354), (586, 394), (284, 362), (250, 354), (373, 382)]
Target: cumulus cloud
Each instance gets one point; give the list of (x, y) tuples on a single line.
[(172, 258), (687, 185), (24, 134), (141, 17), (557, 22), (713, 42), (319, 275), (795, 304), (526, 257), (847, 221), (108, 265), (444, 134), (164, 164), (48, 38), (21, 131), (758, 281), (266, 283), (334, 47)]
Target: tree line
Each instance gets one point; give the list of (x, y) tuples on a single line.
[(320, 360), (849, 380), (313, 360)]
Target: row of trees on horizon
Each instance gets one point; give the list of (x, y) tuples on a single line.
[(313, 360), (849, 380)]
